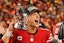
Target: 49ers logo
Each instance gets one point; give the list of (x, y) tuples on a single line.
[(19, 38)]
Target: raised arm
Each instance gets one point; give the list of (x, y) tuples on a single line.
[(8, 33)]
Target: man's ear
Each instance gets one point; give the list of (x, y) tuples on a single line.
[(26, 20), (29, 17)]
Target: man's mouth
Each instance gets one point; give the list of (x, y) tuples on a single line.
[(36, 21)]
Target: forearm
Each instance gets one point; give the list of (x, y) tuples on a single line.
[(5, 39), (6, 36), (8, 33)]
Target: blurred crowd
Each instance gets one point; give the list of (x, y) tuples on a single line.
[(52, 11)]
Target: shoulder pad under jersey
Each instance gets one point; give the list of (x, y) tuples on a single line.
[(45, 29)]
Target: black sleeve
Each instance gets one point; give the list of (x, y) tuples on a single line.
[(1, 36), (61, 31)]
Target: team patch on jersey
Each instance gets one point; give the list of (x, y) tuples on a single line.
[(19, 38), (31, 39)]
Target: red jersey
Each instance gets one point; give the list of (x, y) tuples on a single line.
[(1, 41), (22, 36)]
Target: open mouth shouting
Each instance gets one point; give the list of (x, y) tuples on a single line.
[(37, 23)]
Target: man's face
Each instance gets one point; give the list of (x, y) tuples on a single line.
[(34, 19)]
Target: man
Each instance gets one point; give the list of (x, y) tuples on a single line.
[(55, 32), (33, 34)]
